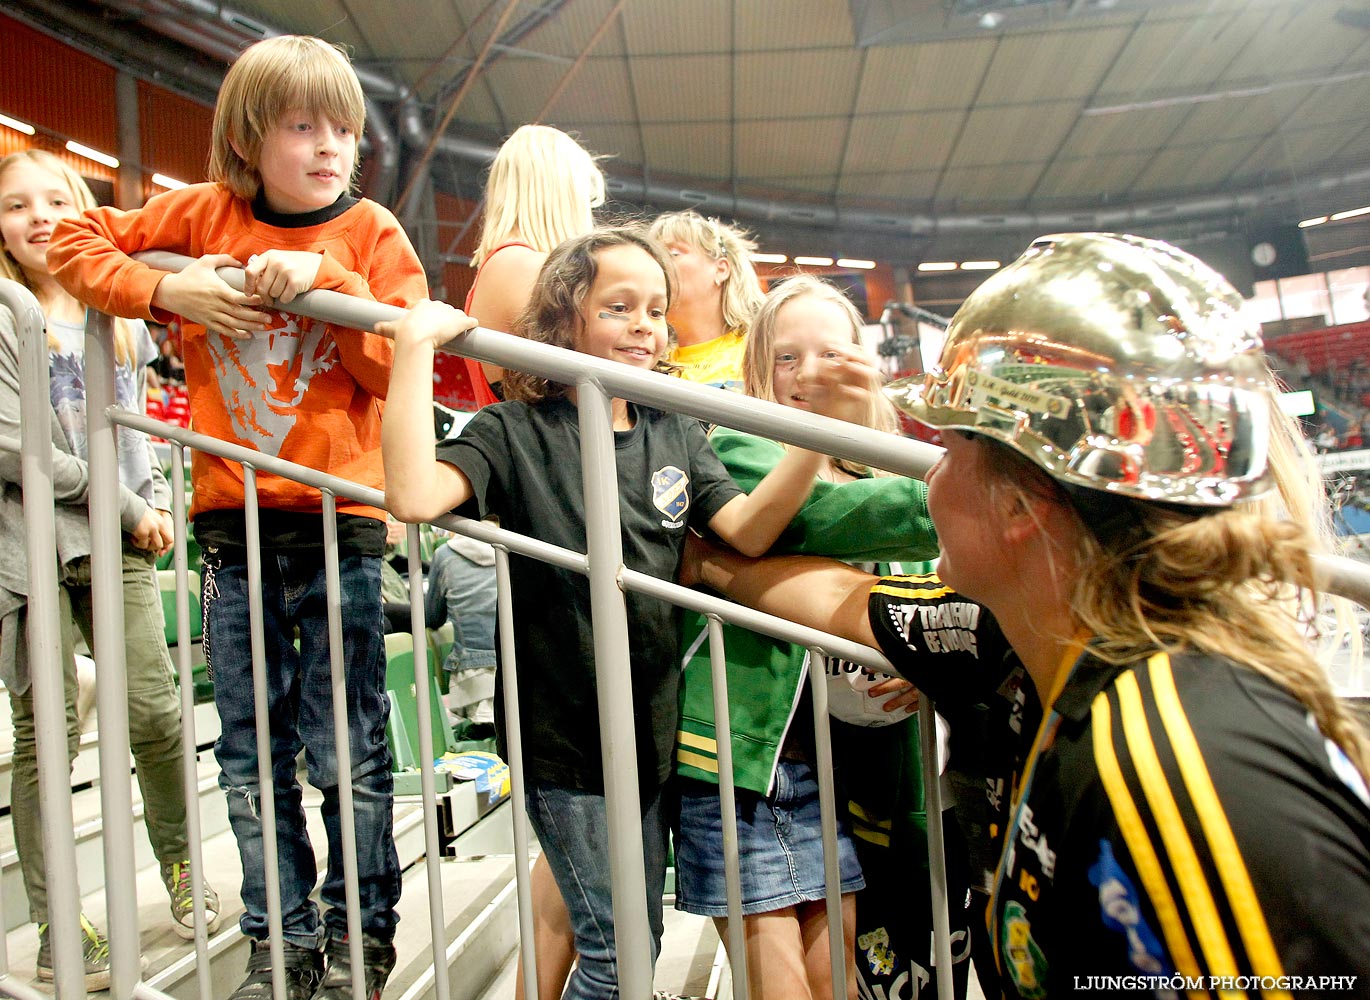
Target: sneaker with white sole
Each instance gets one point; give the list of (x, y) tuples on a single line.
[(96, 950), (176, 878)]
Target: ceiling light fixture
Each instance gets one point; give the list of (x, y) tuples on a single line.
[(16, 124), (863, 265), (769, 258), (937, 265), (991, 19), (979, 265), (1313, 222), (168, 182), (1337, 217), (813, 261), (92, 154)]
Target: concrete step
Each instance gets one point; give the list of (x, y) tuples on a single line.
[(478, 909), (86, 819)]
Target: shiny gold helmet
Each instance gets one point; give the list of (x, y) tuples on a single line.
[(1113, 362)]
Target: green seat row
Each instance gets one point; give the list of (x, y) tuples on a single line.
[(402, 728)]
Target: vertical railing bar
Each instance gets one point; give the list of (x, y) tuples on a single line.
[(727, 800), (46, 669), (937, 860), (513, 732), (419, 629), (827, 808), (189, 746), (614, 691), (342, 745), (266, 804), (111, 694)]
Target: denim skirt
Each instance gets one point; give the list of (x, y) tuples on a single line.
[(780, 846)]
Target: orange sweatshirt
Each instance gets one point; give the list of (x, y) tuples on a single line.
[(302, 390)]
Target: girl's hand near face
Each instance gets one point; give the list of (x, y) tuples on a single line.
[(841, 383), (427, 323)]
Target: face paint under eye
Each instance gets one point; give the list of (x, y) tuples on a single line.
[(618, 316)]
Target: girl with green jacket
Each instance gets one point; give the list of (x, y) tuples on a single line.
[(851, 514)]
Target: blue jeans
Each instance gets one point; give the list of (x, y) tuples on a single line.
[(572, 827), (463, 592), (301, 715)]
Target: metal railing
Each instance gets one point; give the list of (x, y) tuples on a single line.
[(597, 381)]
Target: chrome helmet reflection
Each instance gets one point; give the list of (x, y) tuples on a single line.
[(1115, 363)]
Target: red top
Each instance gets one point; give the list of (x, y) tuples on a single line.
[(480, 385)]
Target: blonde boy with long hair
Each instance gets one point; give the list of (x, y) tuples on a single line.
[(285, 136)]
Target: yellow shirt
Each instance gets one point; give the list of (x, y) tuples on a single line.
[(716, 362)]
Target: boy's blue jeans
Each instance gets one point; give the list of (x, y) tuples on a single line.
[(300, 704), (572, 827)]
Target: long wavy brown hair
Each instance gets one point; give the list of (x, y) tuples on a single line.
[(553, 314)]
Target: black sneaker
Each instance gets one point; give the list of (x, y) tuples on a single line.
[(303, 970), (378, 958)]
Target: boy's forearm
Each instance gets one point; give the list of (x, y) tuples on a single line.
[(396, 278), (87, 261)]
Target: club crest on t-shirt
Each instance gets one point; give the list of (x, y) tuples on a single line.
[(671, 491)]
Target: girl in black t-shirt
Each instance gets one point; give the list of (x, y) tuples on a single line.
[(604, 295)]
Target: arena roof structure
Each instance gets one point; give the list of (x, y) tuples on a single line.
[(908, 130)]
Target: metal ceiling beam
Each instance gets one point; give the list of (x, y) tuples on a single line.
[(780, 209)]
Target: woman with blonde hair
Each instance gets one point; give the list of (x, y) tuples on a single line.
[(852, 514), (36, 190), (1194, 802), (543, 189), (719, 293)]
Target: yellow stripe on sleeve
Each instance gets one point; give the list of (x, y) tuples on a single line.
[(1203, 912), (709, 764), (857, 810), (876, 837), (1138, 844), (930, 590), (695, 740), (1241, 894)]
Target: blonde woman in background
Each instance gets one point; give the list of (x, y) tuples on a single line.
[(718, 294), (543, 189)]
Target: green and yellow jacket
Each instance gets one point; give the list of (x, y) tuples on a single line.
[(878, 519)]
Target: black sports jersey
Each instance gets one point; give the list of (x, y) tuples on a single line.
[(968, 662), (1180, 821)]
